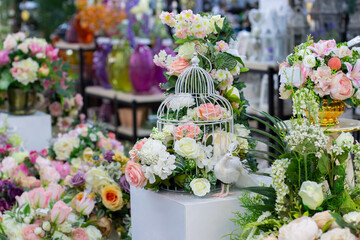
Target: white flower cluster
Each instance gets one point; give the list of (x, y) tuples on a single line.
[(278, 171), (184, 100), (305, 100), (356, 152), (156, 160), (307, 138), (344, 142), (162, 59)]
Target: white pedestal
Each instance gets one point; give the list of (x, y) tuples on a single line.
[(34, 130), (175, 216)]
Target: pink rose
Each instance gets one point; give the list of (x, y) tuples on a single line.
[(60, 212), (35, 48), (178, 66), (30, 182), (28, 232), (134, 175), (56, 109), (79, 234), (134, 151), (104, 143), (39, 198), (188, 130), (85, 205), (341, 87), (56, 191), (4, 57), (62, 168), (210, 112), (79, 101), (49, 174)]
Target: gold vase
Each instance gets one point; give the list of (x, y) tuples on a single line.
[(21, 102), (329, 113)]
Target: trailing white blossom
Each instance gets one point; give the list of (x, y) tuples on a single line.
[(305, 100), (278, 171), (356, 152)]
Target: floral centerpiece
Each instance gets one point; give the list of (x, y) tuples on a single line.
[(311, 196), (321, 75), (27, 66), (210, 37)]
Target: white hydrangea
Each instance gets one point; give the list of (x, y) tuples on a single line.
[(156, 160), (162, 59), (205, 159), (25, 71), (278, 171), (356, 152), (179, 102)]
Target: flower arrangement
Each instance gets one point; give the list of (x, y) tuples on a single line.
[(42, 213), (311, 196), (322, 71), (31, 63), (209, 36), (181, 157)]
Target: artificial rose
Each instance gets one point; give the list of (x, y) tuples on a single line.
[(124, 184), (135, 150), (189, 130), (80, 234), (4, 57), (322, 218), (28, 232), (134, 174), (241, 131), (311, 194), (49, 174), (180, 101), (303, 228), (104, 224), (338, 234), (210, 112), (187, 147), (352, 217), (83, 204), (200, 186), (56, 109), (111, 197), (25, 71), (60, 212), (96, 178), (309, 61), (93, 233), (187, 50), (64, 146), (78, 179), (341, 87), (178, 66)]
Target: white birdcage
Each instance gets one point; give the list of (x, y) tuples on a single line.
[(197, 102)]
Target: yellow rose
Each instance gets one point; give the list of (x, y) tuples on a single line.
[(187, 50), (87, 154), (112, 197)]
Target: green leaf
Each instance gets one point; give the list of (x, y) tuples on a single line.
[(324, 164), (27, 209), (67, 200), (237, 58), (225, 61)]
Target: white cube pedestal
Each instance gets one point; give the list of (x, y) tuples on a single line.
[(34, 130), (176, 216)]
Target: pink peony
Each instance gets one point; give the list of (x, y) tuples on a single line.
[(60, 212), (49, 174), (62, 168), (79, 234), (4, 57), (178, 66), (210, 112), (134, 175), (39, 198), (79, 101), (56, 109), (334, 63), (52, 53), (104, 143), (30, 182), (28, 232), (188, 130), (341, 87), (56, 191), (322, 79), (136, 149), (35, 48)]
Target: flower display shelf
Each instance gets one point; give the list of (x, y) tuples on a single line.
[(35, 137)]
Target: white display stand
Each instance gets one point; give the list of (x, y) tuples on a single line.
[(34, 130), (176, 216)]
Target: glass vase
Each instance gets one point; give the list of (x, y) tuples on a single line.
[(100, 61), (21, 102)]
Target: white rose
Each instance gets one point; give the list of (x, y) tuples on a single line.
[(25, 71), (187, 147), (93, 233), (338, 234), (187, 50), (241, 130), (218, 20), (352, 217), (64, 146), (303, 228), (179, 102), (322, 218), (311, 194), (10, 42), (96, 178), (344, 139), (309, 61), (200, 186), (233, 92)]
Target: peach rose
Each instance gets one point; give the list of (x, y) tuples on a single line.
[(111, 197), (210, 112), (189, 130), (178, 66), (134, 175), (28, 232), (134, 151), (341, 87)]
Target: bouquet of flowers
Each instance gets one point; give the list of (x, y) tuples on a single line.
[(209, 36), (319, 73), (44, 213), (181, 157), (31, 63), (311, 188)]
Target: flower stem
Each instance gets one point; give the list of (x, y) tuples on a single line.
[(306, 177)]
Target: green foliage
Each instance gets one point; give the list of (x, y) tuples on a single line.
[(225, 61)]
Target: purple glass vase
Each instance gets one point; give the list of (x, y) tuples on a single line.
[(159, 71), (141, 66), (100, 61)]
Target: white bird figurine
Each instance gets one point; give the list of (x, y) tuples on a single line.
[(230, 170)]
